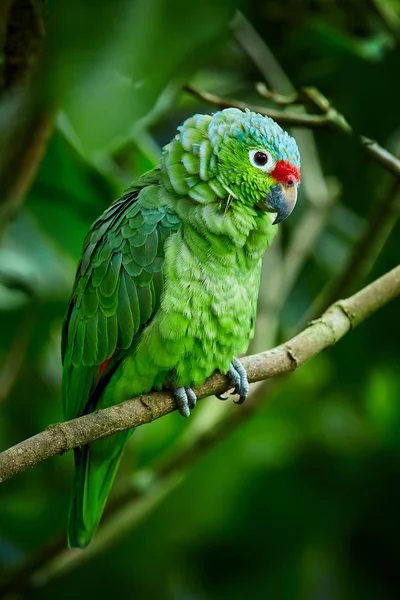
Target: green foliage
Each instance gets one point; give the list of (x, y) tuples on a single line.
[(302, 500)]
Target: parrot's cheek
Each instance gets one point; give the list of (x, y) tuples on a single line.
[(280, 199)]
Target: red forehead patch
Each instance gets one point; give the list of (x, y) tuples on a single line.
[(286, 173)]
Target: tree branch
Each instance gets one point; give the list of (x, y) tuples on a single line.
[(320, 334), (286, 118), (26, 122)]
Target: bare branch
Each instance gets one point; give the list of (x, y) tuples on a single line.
[(286, 118), (320, 334), (385, 158)]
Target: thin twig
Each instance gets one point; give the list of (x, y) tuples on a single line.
[(382, 156), (276, 98), (329, 120), (286, 118)]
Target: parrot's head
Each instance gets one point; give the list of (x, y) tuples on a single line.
[(257, 162)]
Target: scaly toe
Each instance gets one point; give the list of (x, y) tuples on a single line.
[(185, 399), (234, 377), (237, 374)]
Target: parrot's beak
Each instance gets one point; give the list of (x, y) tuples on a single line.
[(282, 200)]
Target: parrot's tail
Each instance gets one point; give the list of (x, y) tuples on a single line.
[(95, 469)]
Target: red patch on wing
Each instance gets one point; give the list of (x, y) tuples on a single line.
[(103, 367), (286, 173)]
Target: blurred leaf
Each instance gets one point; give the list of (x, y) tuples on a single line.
[(28, 255), (67, 196), (121, 74), (381, 403)]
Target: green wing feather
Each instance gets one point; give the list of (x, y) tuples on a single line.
[(116, 292)]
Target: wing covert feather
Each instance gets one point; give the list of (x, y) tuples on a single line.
[(117, 288)]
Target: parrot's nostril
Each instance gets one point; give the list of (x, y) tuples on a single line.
[(286, 173)]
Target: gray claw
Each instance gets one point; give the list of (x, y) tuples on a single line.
[(221, 397), (192, 398), (241, 399), (238, 376), (185, 399)]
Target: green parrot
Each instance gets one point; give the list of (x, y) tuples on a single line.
[(166, 289)]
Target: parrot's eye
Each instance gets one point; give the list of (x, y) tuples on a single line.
[(262, 160)]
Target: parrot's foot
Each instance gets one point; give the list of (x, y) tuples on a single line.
[(185, 399), (238, 376)]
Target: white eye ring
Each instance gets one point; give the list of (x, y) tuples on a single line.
[(261, 159)]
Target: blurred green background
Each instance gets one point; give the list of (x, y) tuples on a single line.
[(301, 499)]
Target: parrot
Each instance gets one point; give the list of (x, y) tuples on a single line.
[(167, 285)]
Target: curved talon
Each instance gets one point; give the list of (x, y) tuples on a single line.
[(192, 398), (221, 397), (241, 400)]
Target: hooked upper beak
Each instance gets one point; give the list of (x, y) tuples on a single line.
[(281, 199)]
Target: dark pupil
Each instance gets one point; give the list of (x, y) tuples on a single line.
[(261, 158)]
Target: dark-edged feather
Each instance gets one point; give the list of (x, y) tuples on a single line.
[(132, 267), (145, 303), (89, 358), (133, 301), (111, 279), (78, 343), (112, 332), (99, 273), (125, 318), (90, 302), (102, 338), (145, 254)]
